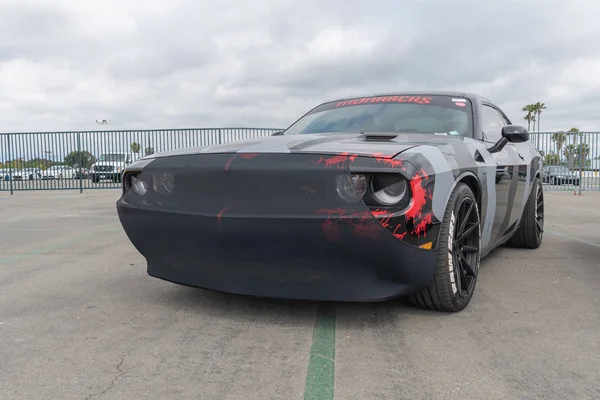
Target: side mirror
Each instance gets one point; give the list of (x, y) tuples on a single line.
[(512, 134), (515, 133)]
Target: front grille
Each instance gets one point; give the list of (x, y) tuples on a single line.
[(103, 168)]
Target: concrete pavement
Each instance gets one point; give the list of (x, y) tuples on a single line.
[(81, 319)]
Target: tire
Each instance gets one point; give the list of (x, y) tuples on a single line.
[(530, 233), (446, 292)]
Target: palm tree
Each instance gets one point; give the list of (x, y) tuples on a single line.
[(538, 109), (534, 110), (559, 139), (135, 147), (574, 132), (529, 116)]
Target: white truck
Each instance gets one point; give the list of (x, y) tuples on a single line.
[(110, 166)]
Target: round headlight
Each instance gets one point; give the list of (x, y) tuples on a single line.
[(351, 188), (164, 183), (389, 190), (139, 186)]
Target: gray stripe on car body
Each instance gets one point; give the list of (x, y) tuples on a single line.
[(444, 178), (486, 172)]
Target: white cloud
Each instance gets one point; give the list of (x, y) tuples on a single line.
[(184, 63)]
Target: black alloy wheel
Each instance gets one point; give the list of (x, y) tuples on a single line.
[(465, 247), (539, 212), (458, 257)]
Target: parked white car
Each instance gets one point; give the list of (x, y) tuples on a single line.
[(59, 172), (110, 166)]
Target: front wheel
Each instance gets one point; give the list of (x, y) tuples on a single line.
[(458, 256)]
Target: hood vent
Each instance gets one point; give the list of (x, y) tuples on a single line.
[(379, 136)]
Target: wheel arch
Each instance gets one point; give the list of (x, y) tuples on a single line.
[(471, 180)]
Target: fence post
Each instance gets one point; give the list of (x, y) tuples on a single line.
[(581, 164), (80, 162), (220, 140), (10, 175)]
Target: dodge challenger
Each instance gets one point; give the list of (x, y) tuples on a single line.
[(361, 199)]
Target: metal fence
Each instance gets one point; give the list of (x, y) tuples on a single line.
[(92, 159), (571, 160)]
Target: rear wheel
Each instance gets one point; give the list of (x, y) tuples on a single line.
[(458, 258), (531, 231)]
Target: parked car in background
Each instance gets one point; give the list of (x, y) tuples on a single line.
[(7, 174), (559, 174), (59, 172), (84, 174), (12, 175), (31, 173), (110, 166)]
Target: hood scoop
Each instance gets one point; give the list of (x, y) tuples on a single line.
[(379, 136)]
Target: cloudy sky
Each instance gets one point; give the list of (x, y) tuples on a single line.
[(262, 63)]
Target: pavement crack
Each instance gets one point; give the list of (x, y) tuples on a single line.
[(118, 374)]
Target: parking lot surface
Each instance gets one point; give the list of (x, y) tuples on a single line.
[(81, 319)]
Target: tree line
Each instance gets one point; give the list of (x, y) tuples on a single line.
[(575, 153), (72, 159)]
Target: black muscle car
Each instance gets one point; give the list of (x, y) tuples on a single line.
[(361, 199)]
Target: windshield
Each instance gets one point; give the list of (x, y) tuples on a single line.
[(406, 114), (112, 157)]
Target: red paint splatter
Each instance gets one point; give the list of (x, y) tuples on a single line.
[(420, 194), (339, 160), (366, 229), (220, 213), (422, 226), (249, 156), (361, 223), (245, 156), (398, 235), (387, 160), (382, 216), (331, 211), (380, 213), (229, 162)]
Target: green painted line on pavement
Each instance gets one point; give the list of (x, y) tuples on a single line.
[(54, 246), (573, 238), (321, 367)]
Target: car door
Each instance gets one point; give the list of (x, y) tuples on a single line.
[(523, 161), (506, 170)]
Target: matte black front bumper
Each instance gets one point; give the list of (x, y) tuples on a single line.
[(271, 257), (274, 225)]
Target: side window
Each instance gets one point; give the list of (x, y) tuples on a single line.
[(492, 124)]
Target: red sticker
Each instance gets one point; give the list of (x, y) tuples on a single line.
[(460, 104)]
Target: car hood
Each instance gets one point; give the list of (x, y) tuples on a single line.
[(356, 144)]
